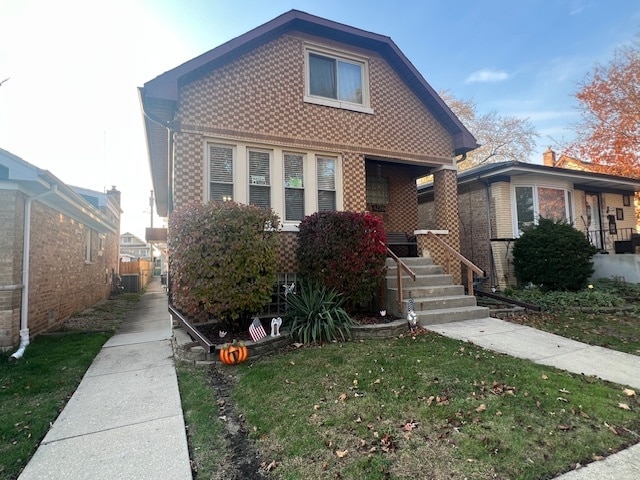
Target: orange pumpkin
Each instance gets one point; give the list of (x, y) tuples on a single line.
[(233, 353)]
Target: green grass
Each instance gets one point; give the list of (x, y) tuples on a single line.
[(400, 408), (204, 429), (34, 390), (606, 315)]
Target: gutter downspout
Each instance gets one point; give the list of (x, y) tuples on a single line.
[(26, 250)]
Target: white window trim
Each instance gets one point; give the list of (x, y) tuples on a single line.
[(271, 177), (235, 154), (241, 171), (568, 203), (365, 107)]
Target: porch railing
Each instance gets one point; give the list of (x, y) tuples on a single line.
[(401, 266), (452, 253), (607, 239)]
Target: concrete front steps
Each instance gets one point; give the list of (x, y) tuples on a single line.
[(436, 298)]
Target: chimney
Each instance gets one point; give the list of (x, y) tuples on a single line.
[(549, 158), (115, 194)]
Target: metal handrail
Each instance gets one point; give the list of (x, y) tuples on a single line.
[(452, 252), (400, 267)]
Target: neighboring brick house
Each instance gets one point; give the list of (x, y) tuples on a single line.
[(497, 200), (58, 249), (301, 115)]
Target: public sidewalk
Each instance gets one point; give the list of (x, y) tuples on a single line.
[(549, 349), (125, 419)]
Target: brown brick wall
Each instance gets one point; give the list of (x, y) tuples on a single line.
[(474, 225), (259, 98), (11, 219), (61, 283)]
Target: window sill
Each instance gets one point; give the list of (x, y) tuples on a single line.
[(327, 102)]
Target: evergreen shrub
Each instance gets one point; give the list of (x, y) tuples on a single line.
[(553, 256)]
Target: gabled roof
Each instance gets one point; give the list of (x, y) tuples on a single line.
[(581, 180), (159, 96), (35, 181)]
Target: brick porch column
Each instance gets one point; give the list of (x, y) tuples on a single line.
[(445, 193)]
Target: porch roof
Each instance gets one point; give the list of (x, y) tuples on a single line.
[(581, 180), (159, 96)]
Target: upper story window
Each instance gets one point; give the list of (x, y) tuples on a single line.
[(337, 81), (220, 172)]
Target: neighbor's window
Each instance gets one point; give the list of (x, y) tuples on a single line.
[(260, 178), (535, 201), (294, 186), (220, 172), (326, 178)]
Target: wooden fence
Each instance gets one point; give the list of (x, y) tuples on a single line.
[(136, 274)]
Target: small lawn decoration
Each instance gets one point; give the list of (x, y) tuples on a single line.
[(233, 353), (256, 330), (412, 318), (276, 323)]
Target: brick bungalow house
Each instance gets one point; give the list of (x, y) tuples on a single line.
[(303, 114), (497, 200), (58, 249)]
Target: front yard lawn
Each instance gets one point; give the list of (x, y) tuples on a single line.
[(423, 407)]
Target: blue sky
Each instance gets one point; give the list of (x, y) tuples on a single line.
[(71, 106)]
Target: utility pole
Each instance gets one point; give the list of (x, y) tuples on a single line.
[(151, 205)]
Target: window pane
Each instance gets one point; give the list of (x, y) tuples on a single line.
[(221, 173), (322, 76), (294, 203), (221, 164), (221, 192), (326, 178), (524, 207), (293, 170), (349, 82), (326, 201), (259, 179), (294, 186), (326, 173), (551, 203)]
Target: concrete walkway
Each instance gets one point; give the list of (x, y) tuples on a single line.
[(125, 419), (549, 349)]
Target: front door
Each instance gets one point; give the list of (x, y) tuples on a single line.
[(593, 220)]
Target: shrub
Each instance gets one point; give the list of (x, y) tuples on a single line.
[(222, 260), (315, 313), (554, 256), (342, 250)]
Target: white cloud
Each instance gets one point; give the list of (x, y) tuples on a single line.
[(486, 75)]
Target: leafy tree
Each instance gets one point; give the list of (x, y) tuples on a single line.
[(554, 256), (609, 101), (222, 260), (501, 138), (342, 250)]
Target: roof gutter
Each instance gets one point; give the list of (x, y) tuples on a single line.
[(26, 250)]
